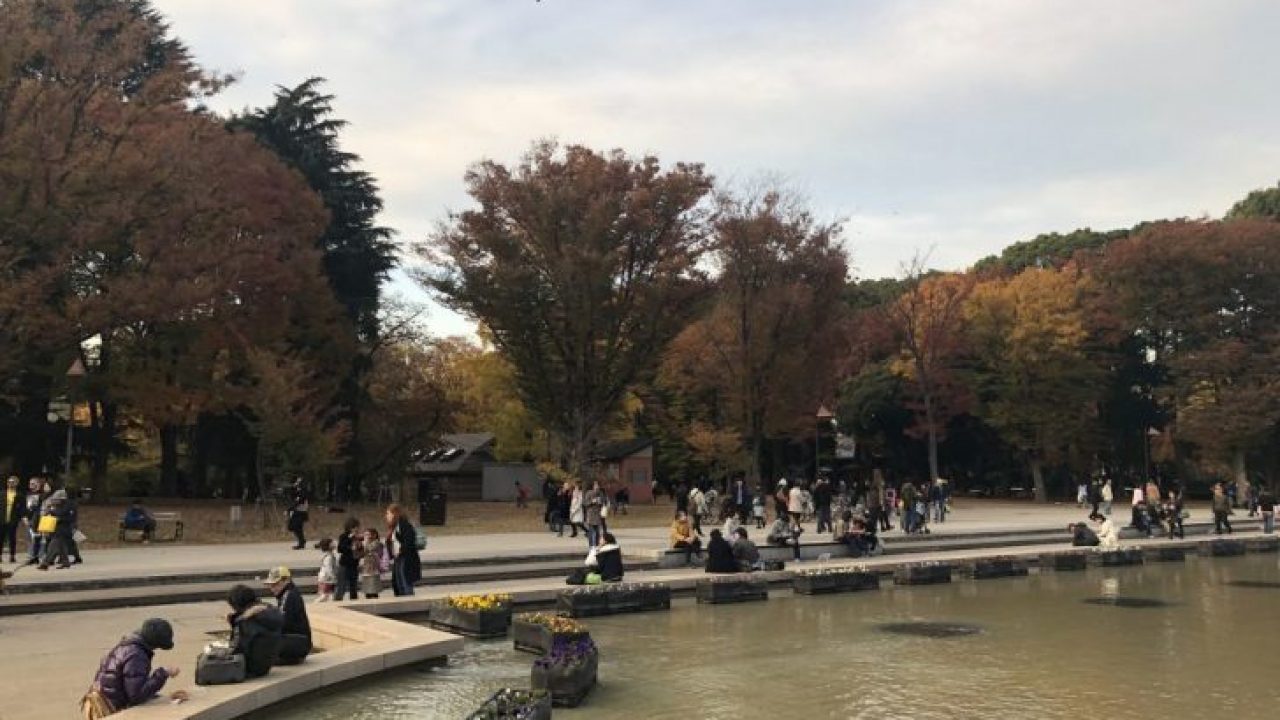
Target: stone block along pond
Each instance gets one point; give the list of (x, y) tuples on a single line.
[(1166, 640)]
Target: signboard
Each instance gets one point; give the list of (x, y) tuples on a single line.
[(846, 447)]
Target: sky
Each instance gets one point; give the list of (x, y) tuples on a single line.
[(950, 127)]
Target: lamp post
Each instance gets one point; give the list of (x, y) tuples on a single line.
[(1146, 452), (823, 414), (74, 373)]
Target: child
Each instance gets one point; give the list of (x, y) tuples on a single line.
[(371, 565), (757, 511), (328, 577)]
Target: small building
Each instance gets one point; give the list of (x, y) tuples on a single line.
[(629, 463), (456, 467)]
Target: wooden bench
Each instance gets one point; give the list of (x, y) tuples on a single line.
[(161, 518)]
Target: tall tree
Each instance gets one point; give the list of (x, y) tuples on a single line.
[(766, 348), (1036, 384), (583, 265), (1261, 204), (927, 321)]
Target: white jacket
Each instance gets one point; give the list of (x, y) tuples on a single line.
[(1108, 537), (576, 513), (328, 568)]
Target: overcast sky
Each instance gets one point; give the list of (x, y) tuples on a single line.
[(956, 125)]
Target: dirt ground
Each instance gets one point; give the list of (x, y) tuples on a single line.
[(209, 522)]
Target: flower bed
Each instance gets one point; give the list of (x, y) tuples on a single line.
[(537, 632), (1222, 548), (478, 616), (923, 574), (996, 567), (819, 582), (732, 589), (1166, 554), (509, 704), (568, 671), (1118, 558), (614, 599), (1064, 561)]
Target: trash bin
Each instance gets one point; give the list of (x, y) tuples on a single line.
[(432, 503)]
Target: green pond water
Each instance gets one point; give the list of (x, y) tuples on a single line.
[(1193, 640)]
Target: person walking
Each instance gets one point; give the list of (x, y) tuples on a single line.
[(13, 508), (564, 502), (37, 492), (877, 501), (59, 541), (372, 560), (577, 514), (402, 547), (1221, 509), (125, 678), (298, 513), (551, 501), (1108, 496), (908, 507), (795, 506)]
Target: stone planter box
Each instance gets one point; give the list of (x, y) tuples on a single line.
[(510, 703), (834, 582), (994, 568), (1263, 544), (613, 600), (923, 574), (471, 623), (1166, 554), (1119, 558), (1064, 562), (567, 685), (537, 639), (774, 565), (1222, 548), (732, 590)]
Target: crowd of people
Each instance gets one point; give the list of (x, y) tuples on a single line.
[(48, 517)]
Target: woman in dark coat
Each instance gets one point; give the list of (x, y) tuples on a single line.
[(402, 546), (255, 630), (720, 555)]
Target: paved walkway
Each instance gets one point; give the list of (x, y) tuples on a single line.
[(166, 559)]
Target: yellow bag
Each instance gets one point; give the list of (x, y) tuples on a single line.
[(48, 524), (93, 706)]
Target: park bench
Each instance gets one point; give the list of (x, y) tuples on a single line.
[(162, 519)]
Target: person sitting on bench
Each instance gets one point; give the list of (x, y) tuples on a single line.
[(782, 534), (295, 640), (138, 517)]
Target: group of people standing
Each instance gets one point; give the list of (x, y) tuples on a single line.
[(580, 507), (356, 561), (50, 519)]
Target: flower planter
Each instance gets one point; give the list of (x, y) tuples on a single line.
[(1064, 562), (1119, 558), (567, 684), (732, 589), (1222, 548), (1166, 554), (1263, 544), (837, 581), (932, 574), (509, 704), (537, 638), (999, 567), (614, 599), (471, 623)]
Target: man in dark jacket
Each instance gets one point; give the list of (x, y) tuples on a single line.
[(295, 641), (125, 678), (720, 555), (298, 513), (822, 497), (255, 630), (348, 565)]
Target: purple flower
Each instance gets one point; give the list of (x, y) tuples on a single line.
[(567, 651)]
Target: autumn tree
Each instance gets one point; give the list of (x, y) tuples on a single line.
[(583, 266), (1036, 384), (767, 347), (927, 322), (1261, 204)]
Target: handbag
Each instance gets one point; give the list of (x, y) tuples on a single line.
[(47, 525), (94, 706), (219, 665), (79, 537)]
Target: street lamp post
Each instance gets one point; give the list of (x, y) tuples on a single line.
[(74, 373), (823, 414)]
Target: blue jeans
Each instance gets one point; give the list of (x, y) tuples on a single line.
[(940, 511), (1269, 522), (593, 535), (400, 584)]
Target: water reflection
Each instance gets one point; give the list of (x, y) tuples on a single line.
[(1041, 653)]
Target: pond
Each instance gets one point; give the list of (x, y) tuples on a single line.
[(1168, 640)]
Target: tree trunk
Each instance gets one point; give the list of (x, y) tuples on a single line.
[(1239, 469), (933, 437), (169, 460), (1037, 476)]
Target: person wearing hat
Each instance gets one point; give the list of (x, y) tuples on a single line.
[(125, 677), (295, 641)]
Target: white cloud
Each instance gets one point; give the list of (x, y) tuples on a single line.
[(959, 124)]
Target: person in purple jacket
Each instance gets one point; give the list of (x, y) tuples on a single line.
[(125, 678)]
